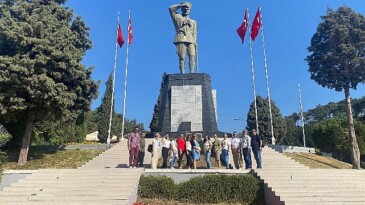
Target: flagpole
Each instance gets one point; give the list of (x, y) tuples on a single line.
[(301, 113), (267, 80), (125, 79), (112, 100), (253, 75)]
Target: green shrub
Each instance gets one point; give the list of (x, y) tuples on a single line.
[(243, 189), (159, 187), (3, 158), (221, 188), (4, 138)]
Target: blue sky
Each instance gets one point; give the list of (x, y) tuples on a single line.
[(289, 26)]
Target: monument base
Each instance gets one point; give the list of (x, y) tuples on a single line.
[(187, 104)]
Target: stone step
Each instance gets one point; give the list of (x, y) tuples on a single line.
[(83, 177), (62, 198), (91, 202), (298, 202), (328, 199), (85, 188), (329, 193), (360, 180), (64, 193), (78, 181), (70, 185), (333, 184), (320, 189)]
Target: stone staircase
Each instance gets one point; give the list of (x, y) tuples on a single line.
[(100, 181), (288, 182)]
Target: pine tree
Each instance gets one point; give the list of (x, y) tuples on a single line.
[(337, 60), (42, 45), (104, 112)]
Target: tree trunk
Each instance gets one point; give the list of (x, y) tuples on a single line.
[(23, 156), (354, 147)]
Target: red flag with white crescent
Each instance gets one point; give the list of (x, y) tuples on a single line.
[(256, 24), (130, 33), (120, 39), (243, 28)]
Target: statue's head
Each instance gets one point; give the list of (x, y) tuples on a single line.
[(185, 8), (186, 4)]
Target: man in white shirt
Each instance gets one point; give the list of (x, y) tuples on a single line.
[(236, 150), (246, 149)]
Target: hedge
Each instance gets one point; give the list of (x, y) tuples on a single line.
[(243, 189), (159, 187)]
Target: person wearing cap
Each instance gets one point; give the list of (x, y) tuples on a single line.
[(246, 149), (185, 37), (236, 150)]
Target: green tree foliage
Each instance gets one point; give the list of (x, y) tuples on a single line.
[(337, 59), (154, 125), (293, 132), (4, 136), (92, 119), (80, 129), (104, 111), (42, 45), (129, 125), (331, 135), (264, 119)]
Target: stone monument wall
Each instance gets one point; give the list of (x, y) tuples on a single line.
[(187, 104)]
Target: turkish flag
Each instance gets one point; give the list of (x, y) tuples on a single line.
[(243, 28), (120, 39), (256, 24), (130, 33)]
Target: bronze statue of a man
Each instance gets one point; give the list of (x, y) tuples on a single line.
[(185, 38)]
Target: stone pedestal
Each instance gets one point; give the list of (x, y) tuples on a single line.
[(187, 104)]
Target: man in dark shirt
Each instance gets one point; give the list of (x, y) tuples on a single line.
[(256, 143), (142, 146)]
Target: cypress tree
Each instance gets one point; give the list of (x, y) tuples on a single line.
[(104, 111)]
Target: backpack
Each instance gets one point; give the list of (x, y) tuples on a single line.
[(149, 148)]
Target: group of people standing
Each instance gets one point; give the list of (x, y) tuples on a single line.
[(174, 150), (189, 146), (242, 147)]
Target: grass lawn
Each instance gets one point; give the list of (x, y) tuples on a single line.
[(40, 159), (314, 161)]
